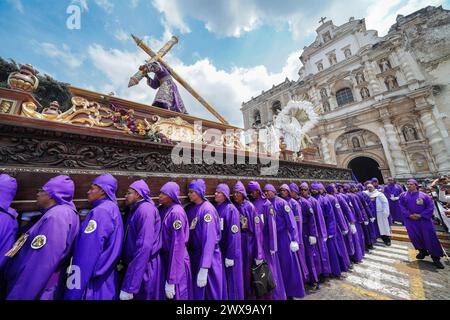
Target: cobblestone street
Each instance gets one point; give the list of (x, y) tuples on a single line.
[(389, 273)]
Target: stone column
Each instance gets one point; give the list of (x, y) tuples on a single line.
[(398, 158), (325, 150), (373, 81), (405, 66), (434, 137)]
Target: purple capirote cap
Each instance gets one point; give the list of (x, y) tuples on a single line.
[(346, 187), (239, 187), (391, 179), (8, 189), (413, 181), (225, 189), (108, 184), (285, 187), (269, 187), (304, 185), (294, 187), (172, 190), (330, 188), (61, 189), (199, 187), (374, 180), (316, 186), (254, 186), (142, 188)]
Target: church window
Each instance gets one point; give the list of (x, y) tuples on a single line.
[(344, 96)]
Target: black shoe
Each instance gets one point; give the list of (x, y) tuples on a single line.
[(438, 263), (370, 246), (315, 286), (421, 255)]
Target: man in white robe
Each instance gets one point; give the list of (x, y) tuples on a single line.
[(382, 208)]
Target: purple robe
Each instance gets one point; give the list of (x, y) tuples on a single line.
[(309, 229), (332, 244), (289, 261), (341, 228), (297, 211), (323, 236), (9, 225), (175, 236), (394, 190), (369, 207), (353, 241), (98, 247), (205, 252), (37, 270), (421, 232), (144, 270), (251, 243), (360, 218), (230, 245)]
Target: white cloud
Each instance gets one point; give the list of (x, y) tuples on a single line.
[(18, 5), (225, 90), (134, 3), (105, 4), (82, 3), (121, 35), (61, 54)]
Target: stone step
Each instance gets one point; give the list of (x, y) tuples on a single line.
[(404, 237), (402, 230)]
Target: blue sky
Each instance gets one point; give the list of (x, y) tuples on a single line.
[(229, 50)]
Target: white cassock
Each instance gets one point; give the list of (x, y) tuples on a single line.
[(382, 206)]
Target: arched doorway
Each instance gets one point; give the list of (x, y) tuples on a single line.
[(365, 168)]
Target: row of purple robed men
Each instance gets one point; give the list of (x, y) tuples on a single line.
[(199, 252)]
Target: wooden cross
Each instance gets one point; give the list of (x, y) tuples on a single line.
[(323, 20), (157, 57)]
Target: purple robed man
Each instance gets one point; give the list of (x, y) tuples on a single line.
[(230, 242), (204, 250), (167, 96), (417, 209), (98, 246), (288, 246), (364, 202), (175, 236), (143, 278), (37, 269), (285, 192), (355, 239), (336, 252), (310, 234), (361, 217), (251, 237), (9, 225), (322, 231), (392, 192), (266, 217), (342, 227)]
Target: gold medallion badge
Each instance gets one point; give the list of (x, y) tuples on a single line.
[(177, 224), (287, 208), (234, 228), (419, 201), (38, 242), (207, 218), (337, 205), (91, 226), (257, 219)]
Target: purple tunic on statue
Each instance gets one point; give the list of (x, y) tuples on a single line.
[(230, 244), (144, 270), (266, 216), (98, 247), (175, 236), (9, 225), (394, 191), (204, 247), (38, 269), (286, 233), (251, 239), (421, 232)]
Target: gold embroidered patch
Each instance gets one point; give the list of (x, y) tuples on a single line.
[(207, 218), (257, 220), (244, 222), (419, 201), (91, 226), (287, 208), (337, 205), (177, 224), (38, 242), (234, 228), (193, 223)]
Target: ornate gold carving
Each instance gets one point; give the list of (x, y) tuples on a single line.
[(81, 112), (176, 129)]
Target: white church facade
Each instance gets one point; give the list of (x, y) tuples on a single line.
[(383, 102)]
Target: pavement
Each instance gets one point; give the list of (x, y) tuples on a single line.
[(389, 273)]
